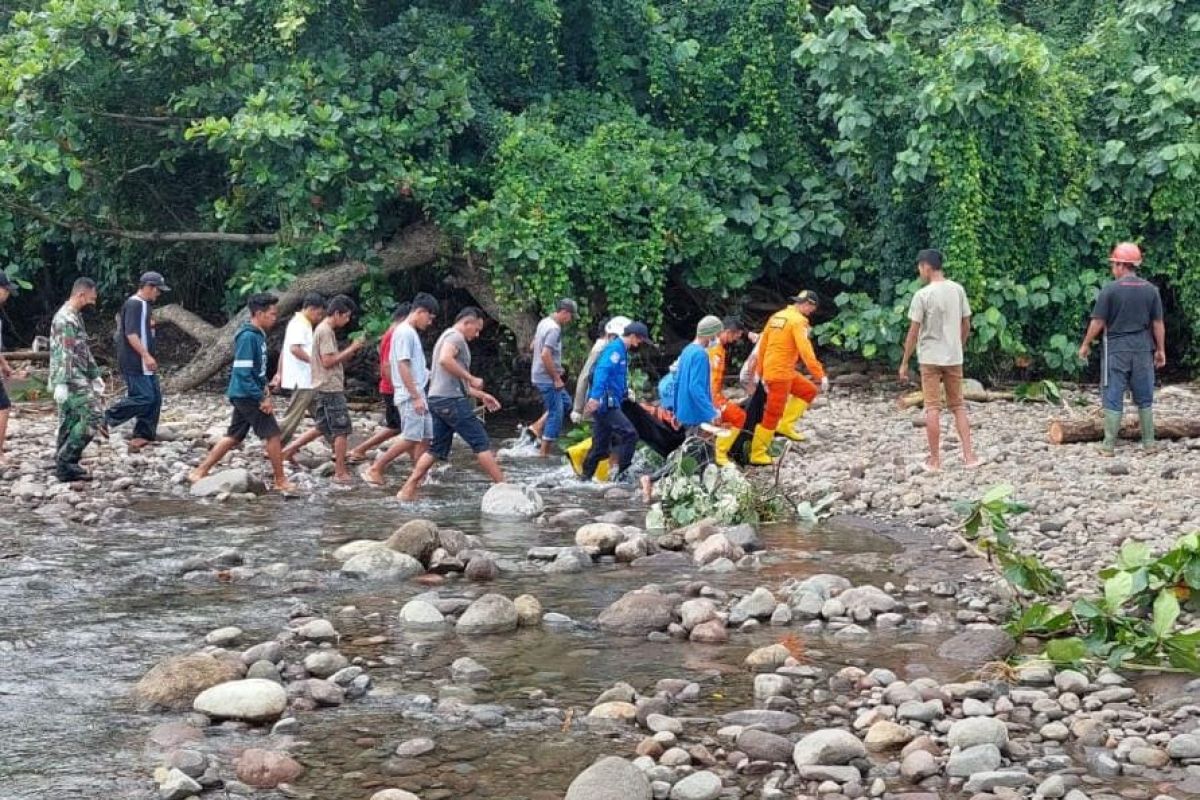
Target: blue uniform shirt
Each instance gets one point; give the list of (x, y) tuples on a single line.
[(610, 378), (693, 387)]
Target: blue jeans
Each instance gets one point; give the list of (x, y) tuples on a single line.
[(142, 401), (611, 431), (1134, 371), (558, 405), (453, 415)]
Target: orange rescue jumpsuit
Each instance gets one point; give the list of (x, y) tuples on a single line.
[(785, 341), (732, 414)]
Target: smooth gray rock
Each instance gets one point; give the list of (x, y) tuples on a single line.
[(250, 700), (762, 745), (511, 501), (492, 613), (177, 786), (637, 613), (980, 758), (702, 785), (977, 646), (232, 481), (828, 747), (773, 721), (420, 615), (382, 564), (986, 781), (977, 730), (610, 778)]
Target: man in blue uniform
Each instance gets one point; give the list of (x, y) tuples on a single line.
[(611, 429)]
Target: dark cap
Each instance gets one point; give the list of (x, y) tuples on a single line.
[(5, 283), (807, 296), (154, 279), (567, 304), (639, 330)]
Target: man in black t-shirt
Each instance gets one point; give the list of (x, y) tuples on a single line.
[(1129, 313), (135, 355)]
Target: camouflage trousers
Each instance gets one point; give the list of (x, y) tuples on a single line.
[(79, 419)]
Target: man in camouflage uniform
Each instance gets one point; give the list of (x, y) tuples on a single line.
[(76, 383)]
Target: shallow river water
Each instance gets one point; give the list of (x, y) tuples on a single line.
[(87, 611)]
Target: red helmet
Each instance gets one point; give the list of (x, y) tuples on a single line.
[(1126, 253)]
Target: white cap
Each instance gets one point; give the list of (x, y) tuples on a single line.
[(617, 325)]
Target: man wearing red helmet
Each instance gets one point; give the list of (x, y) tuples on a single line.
[(1129, 313)]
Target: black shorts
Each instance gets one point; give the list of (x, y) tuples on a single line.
[(332, 414), (391, 414), (6, 404), (247, 415)]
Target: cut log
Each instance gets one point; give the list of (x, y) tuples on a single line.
[(27, 355), (914, 399), (1069, 431)]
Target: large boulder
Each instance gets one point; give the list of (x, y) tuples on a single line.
[(637, 613), (824, 585), (869, 597), (977, 646), (603, 537), (417, 538), (492, 613), (610, 778), (974, 731), (382, 564), (419, 615), (828, 747), (251, 700), (265, 769), (511, 501), (174, 682), (232, 481), (714, 547)]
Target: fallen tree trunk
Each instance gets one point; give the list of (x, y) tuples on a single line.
[(1069, 431), (914, 399), (27, 355), (416, 246)]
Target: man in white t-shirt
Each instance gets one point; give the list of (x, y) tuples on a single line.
[(410, 379), (294, 372)]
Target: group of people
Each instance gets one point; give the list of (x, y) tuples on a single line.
[(428, 401)]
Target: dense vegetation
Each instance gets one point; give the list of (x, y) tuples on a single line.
[(659, 157)]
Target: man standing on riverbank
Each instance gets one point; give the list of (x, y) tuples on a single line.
[(611, 429), (7, 289), (75, 382), (940, 322), (139, 368), (783, 342), (387, 392), (294, 372), (409, 377), (546, 374), (249, 394), (451, 385), (329, 383), (1129, 314)]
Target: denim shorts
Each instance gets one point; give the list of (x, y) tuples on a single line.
[(413, 427), (453, 415)]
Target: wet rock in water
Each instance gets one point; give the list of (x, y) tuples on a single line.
[(324, 663), (468, 670), (416, 747), (318, 630), (264, 669), (697, 611), (177, 786), (974, 731), (966, 762), (569, 517), (715, 547), (482, 569), (977, 646), (773, 721), (417, 538), (744, 536), (176, 681), (229, 481), (616, 710), (190, 762), (987, 781), (610, 778), (351, 549), (869, 598), (324, 693), (251, 700), (887, 735), (637, 612), (666, 559), (767, 659), (767, 686), (265, 769), (828, 747), (762, 745), (702, 785), (492, 613), (382, 564), (918, 765), (698, 531), (711, 632), (602, 537), (529, 611), (824, 585), (511, 501), (223, 637), (1185, 745), (632, 549), (759, 604), (418, 615), (619, 692), (394, 794)]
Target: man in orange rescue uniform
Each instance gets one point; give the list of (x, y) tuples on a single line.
[(783, 342), (733, 416)]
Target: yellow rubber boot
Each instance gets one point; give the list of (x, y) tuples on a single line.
[(721, 446), (759, 456), (576, 453), (792, 412)]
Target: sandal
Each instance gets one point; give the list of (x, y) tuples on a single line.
[(365, 475)]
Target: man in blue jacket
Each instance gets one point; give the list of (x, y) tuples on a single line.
[(611, 429), (693, 403), (249, 395)]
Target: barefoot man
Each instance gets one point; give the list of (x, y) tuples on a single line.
[(248, 394), (940, 324)]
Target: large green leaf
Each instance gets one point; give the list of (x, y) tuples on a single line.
[(1117, 590), (1071, 650), (1166, 611)]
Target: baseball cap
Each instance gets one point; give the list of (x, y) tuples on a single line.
[(7, 284), (154, 279), (639, 330), (567, 304), (807, 296)]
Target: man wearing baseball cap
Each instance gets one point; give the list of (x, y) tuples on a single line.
[(7, 289), (611, 429), (139, 369), (546, 373), (783, 342)]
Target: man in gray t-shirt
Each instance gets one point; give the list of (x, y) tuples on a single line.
[(547, 374), (939, 324), (451, 388)]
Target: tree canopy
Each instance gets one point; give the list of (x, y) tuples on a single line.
[(629, 152)]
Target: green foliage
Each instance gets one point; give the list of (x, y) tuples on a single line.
[(1043, 391), (690, 494)]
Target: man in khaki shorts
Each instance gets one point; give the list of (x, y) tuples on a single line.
[(940, 319)]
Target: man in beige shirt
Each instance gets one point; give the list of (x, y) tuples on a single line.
[(940, 318)]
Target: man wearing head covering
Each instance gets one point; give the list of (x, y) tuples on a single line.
[(784, 342), (611, 429), (546, 372), (139, 369), (693, 403)]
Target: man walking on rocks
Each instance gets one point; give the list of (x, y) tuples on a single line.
[(546, 374), (611, 429), (139, 369), (7, 289), (294, 373), (387, 391), (249, 394), (409, 378), (75, 382), (1129, 314), (940, 322), (451, 387)]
